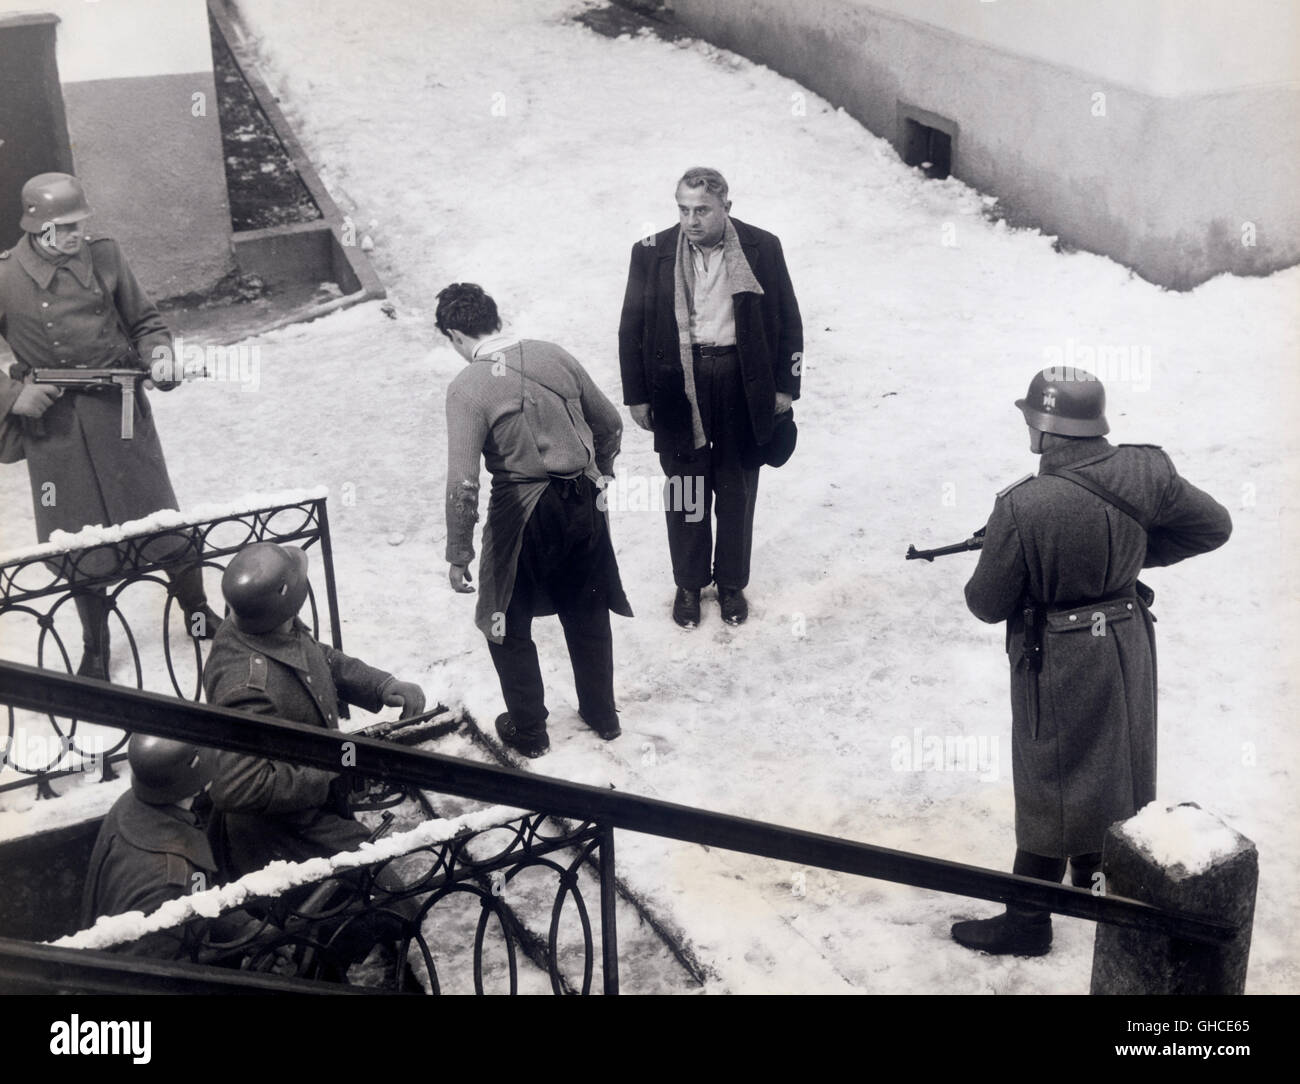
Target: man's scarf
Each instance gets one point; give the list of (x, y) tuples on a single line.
[(740, 277)]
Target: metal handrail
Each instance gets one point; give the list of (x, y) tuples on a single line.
[(149, 713), (29, 968)]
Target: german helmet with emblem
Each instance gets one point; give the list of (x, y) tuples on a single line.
[(1067, 401), (164, 771), (56, 198), (265, 585)]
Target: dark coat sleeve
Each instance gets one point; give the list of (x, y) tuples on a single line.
[(1001, 577), (632, 329), (356, 682), (249, 784), (789, 350), (1189, 521)]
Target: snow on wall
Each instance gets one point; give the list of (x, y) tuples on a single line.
[(166, 519), (277, 878)]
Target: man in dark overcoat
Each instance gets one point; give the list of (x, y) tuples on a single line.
[(266, 661), (1060, 562), (68, 301), (710, 345)]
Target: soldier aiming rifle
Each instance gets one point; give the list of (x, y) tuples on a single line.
[(1059, 561)]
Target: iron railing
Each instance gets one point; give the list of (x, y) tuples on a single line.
[(37, 616), (597, 810), (325, 929)]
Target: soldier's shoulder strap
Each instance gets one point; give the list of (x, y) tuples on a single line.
[(257, 672), (1155, 446), (1097, 489), (1018, 482)]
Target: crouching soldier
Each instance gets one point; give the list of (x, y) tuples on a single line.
[(150, 847), (266, 661)]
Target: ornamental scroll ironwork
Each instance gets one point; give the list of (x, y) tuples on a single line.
[(382, 924), (151, 647)]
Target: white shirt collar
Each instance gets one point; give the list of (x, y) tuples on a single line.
[(495, 342)]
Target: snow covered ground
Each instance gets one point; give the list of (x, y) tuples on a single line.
[(503, 144)]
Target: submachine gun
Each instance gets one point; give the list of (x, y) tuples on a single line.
[(95, 379), (974, 542), (1031, 614)]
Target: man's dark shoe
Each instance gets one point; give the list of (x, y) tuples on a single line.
[(609, 730), (527, 744), (734, 607), (1006, 934), (686, 608)]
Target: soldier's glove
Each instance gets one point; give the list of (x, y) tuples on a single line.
[(34, 400), (404, 694)]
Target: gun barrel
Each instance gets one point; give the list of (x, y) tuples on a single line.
[(974, 543)]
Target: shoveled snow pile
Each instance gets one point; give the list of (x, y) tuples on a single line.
[(164, 520), (1184, 839), (277, 878)]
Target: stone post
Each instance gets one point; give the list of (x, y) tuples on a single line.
[(1185, 859)]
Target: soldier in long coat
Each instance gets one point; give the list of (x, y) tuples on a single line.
[(69, 301), (1060, 563), (266, 661)]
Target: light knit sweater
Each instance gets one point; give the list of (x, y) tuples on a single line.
[(533, 413)]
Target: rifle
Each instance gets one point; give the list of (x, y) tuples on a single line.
[(974, 542), (98, 378)]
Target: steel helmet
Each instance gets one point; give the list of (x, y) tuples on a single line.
[(1067, 401), (165, 771), (265, 585), (53, 197)]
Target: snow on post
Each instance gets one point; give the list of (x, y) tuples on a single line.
[(1185, 859)]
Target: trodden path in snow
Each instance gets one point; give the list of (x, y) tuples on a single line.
[(503, 143)]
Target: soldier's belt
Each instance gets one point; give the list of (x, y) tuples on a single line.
[(1109, 610), (98, 380)]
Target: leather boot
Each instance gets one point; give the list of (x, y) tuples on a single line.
[(1020, 931), (1017, 933), (92, 608), (1083, 867), (187, 585)]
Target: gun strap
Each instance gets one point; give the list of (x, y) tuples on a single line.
[(111, 300), (1101, 491)]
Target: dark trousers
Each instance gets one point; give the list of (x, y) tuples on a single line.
[(1027, 864), (713, 479), (563, 557)]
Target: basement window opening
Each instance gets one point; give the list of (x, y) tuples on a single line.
[(928, 148)]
